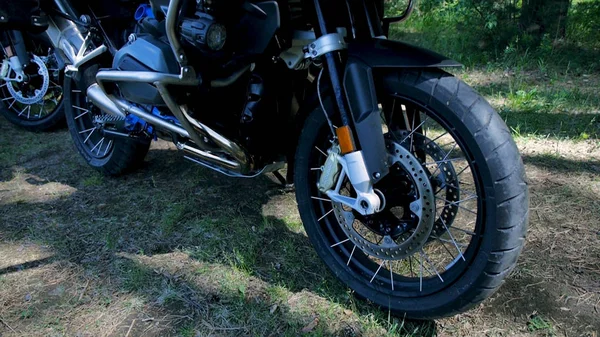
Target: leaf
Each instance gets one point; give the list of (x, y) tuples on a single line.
[(273, 308), (348, 312), (311, 325)]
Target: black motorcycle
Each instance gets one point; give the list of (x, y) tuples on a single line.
[(408, 183), (30, 72)]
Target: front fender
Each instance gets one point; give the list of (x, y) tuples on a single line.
[(381, 53)]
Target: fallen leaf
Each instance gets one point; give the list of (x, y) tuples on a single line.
[(273, 308), (311, 325), (348, 312)]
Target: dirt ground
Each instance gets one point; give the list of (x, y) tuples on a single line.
[(174, 249)]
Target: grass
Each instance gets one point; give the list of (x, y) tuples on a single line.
[(540, 325), (93, 180), (192, 253)]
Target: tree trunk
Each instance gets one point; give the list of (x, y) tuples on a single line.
[(539, 17)]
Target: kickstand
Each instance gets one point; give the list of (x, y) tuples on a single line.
[(282, 179)]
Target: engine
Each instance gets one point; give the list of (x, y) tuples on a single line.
[(211, 34)]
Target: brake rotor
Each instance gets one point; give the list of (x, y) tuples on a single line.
[(443, 178), (422, 207), (38, 93)]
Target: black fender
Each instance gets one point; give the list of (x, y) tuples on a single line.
[(382, 53), (359, 86)]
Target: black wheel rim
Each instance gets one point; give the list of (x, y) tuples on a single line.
[(49, 101), (429, 272)]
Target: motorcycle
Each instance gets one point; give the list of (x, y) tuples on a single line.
[(408, 183), (30, 73)]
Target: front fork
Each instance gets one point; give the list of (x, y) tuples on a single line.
[(363, 162), (16, 59)]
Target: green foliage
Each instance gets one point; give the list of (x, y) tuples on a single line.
[(539, 324), (482, 32)]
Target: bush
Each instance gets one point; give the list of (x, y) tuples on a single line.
[(482, 32)]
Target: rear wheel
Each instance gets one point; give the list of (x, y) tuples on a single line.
[(453, 156), (107, 154)]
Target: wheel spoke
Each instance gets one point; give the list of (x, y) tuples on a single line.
[(413, 131), (98, 145), (11, 104), (339, 243), (453, 241), (463, 230), (350, 258), (378, 269), (456, 188), (22, 111), (446, 241), (322, 199), (438, 137), (80, 108), (454, 203), (7, 98), (391, 121), (326, 214), (107, 147), (88, 137), (461, 171), (412, 128), (424, 255), (82, 114), (446, 248), (443, 161), (391, 274), (323, 153), (315, 169), (28, 111)]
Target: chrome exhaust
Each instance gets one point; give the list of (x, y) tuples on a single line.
[(239, 166), (210, 157), (119, 108), (102, 101)]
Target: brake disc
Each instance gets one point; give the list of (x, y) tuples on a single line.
[(422, 207), (444, 177), (38, 93)]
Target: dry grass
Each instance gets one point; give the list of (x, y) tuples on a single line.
[(180, 251)]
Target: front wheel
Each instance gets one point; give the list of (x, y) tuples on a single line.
[(450, 153)]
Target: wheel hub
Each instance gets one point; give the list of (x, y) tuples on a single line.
[(35, 88), (421, 208)]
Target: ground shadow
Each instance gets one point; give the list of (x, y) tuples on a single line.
[(552, 162), (168, 206)]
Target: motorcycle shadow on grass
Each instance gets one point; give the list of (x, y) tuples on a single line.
[(190, 242)]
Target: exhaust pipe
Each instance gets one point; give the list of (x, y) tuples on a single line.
[(102, 101), (210, 158), (118, 107)]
